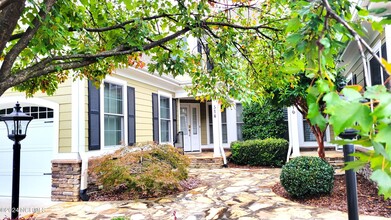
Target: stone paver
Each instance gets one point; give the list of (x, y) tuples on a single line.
[(242, 194)]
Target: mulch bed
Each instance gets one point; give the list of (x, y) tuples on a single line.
[(369, 203), (122, 193)]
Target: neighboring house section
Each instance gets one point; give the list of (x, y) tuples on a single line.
[(82, 120)]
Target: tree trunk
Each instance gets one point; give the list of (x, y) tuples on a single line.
[(320, 139), (319, 135)]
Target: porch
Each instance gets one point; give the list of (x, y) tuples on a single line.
[(206, 159), (209, 161)]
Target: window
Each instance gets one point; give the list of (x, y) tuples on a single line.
[(210, 117), (223, 125), (308, 135), (165, 119), (377, 74), (6, 111), (35, 111), (239, 121), (353, 80), (113, 115)]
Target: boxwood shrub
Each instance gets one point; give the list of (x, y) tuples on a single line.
[(304, 176), (268, 152)]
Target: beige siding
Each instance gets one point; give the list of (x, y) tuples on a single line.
[(63, 97), (143, 93)]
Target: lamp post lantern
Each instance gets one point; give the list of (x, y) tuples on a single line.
[(16, 123)]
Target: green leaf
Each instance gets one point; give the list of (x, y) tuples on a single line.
[(292, 25), (351, 94), (316, 117), (377, 10), (383, 181), (384, 135), (379, 149), (332, 98), (348, 115), (323, 86), (362, 12), (325, 42), (377, 26), (295, 38), (355, 165)]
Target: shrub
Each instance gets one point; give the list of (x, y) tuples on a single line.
[(268, 152), (151, 171), (264, 121), (303, 177)]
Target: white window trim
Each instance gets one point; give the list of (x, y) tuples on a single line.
[(169, 96), (124, 85)]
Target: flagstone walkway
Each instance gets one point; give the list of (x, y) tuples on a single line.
[(243, 194)]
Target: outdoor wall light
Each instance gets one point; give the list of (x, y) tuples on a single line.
[(16, 123)]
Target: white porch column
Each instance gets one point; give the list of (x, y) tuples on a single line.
[(293, 126), (217, 134), (231, 125)]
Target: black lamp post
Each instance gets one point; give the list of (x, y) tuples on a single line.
[(350, 175), (16, 123)]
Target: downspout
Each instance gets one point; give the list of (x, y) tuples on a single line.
[(81, 134)]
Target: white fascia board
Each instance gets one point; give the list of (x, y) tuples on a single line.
[(149, 79)]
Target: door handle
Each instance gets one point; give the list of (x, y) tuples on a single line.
[(47, 174)]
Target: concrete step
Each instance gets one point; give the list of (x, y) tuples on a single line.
[(206, 163)]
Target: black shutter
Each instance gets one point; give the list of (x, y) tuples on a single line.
[(93, 117), (174, 120), (155, 117), (374, 67), (131, 116)]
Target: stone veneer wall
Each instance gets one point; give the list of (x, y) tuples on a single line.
[(66, 176)]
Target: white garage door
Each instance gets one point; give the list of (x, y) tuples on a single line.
[(36, 155)]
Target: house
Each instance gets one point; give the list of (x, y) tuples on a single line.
[(131, 106), (81, 121), (380, 44)]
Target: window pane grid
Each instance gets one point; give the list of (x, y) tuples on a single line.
[(113, 98), (239, 121), (113, 115), (35, 111), (165, 119)]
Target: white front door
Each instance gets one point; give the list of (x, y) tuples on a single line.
[(190, 125)]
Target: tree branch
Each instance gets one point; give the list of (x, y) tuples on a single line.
[(4, 3), (9, 17), (236, 26), (25, 39), (123, 24), (52, 64)]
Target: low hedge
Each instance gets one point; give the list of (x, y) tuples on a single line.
[(267, 152)]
